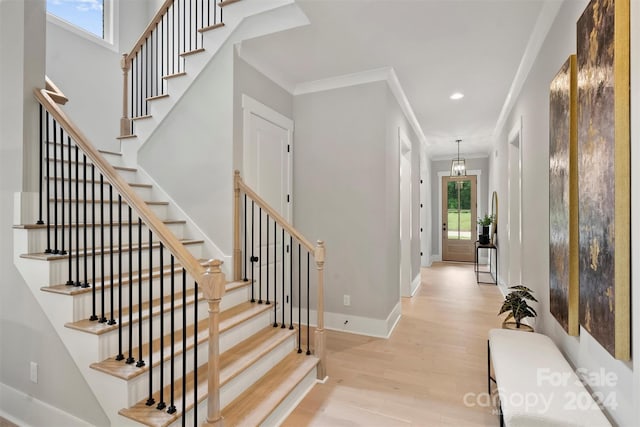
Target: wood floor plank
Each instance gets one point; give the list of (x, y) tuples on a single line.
[(422, 373)]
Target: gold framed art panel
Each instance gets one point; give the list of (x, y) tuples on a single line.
[(604, 174), (563, 197)]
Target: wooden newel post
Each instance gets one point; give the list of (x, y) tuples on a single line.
[(319, 256), (213, 287), (237, 251), (125, 123)]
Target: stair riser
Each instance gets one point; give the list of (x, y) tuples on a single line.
[(60, 168), (108, 341), (58, 269), (280, 413), (38, 237), (240, 383), (107, 208), (92, 190), (83, 302), (235, 335), (138, 387), (235, 297)]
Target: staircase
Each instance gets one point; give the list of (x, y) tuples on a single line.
[(159, 333)]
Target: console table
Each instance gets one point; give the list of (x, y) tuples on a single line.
[(489, 247)]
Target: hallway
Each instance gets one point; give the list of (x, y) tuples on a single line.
[(421, 374)]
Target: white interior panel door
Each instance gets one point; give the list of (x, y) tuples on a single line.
[(267, 170)]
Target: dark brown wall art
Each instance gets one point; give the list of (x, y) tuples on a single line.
[(563, 197), (604, 173)]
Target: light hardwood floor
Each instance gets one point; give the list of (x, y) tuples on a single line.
[(420, 375)]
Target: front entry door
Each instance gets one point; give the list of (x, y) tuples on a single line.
[(458, 218)]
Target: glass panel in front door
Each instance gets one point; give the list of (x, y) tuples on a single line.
[(459, 210)]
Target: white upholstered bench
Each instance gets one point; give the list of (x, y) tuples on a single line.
[(536, 385)]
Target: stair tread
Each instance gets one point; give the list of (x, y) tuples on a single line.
[(126, 136), (227, 2), (113, 153), (108, 201), (293, 368), (192, 52), (64, 289), (232, 362), (96, 181), (98, 251), (146, 116), (124, 224), (97, 328), (162, 95), (211, 27), (256, 403), (171, 76)]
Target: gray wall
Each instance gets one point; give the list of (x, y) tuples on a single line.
[(341, 169), (436, 183), (532, 106), (25, 333)]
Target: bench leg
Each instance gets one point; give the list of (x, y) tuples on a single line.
[(488, 368)]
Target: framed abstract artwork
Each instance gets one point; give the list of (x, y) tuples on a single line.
[(563, 197), (604, 174)]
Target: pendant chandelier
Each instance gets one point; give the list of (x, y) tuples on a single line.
[(457, 165)]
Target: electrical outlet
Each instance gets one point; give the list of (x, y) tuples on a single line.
[(347, 300), (33, 372)]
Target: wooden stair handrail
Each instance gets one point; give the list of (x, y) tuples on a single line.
[(55, 92), (162, 232), (127, 57), (273, 213)]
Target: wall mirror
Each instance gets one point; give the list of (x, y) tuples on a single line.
[(494, 212)]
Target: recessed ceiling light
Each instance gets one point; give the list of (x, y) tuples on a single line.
[(456, 96)]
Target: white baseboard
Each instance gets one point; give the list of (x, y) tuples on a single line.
[(379, 328), (436, 258), (415, 284), (26, 411)]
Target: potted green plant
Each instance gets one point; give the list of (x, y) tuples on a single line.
[(485, 222), (515, 303)]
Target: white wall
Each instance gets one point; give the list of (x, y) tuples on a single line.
[(25, 333), (89, 73), (532, 106)]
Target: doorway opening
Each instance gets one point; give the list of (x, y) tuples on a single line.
[(514, 213), (459, 215), (406, 234)]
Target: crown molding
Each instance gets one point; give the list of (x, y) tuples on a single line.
[(545, 20), (462, 157)]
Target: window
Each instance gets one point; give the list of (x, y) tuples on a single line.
[(88, 15)]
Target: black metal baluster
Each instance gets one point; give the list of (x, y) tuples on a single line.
[(130, 359), (161, 403), (55, 188), (177, 3), (253, 210), (173, 38), (112, 321), (102, 270), (308, 271), (84, 213), (267, 301), (195, 356), (48, 201), (132, 79), (283, 302), (93, 243), (244, 253), (40, 170), (260, 256), (78, 281), (62, 183), (215, 11), (184, 26), (172, 406), (140, 363), (190, 15), (184, 347), (120, 355), (299, 301), (151, 400), (290, 248)]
